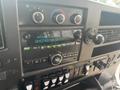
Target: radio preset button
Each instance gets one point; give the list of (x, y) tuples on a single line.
[(36, 61)]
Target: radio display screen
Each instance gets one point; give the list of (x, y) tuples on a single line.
[(50, 38)]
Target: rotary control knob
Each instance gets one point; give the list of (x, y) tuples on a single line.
[(59, 18), (38, 17), (76, 19), (92, 35), (56, 59), (98, 39), (77, 34)]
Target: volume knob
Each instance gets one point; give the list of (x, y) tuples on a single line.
[(38, 17), (56, 59)]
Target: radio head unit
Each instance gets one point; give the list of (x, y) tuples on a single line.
[(46, 48)]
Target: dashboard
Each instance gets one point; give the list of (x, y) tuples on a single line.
[(51, 45)]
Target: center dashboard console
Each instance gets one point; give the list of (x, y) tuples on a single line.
[(49, 45), (54, 45), (50, 40)]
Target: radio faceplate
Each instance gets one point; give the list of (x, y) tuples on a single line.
[(46, 48)]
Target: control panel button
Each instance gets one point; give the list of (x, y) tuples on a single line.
[(53, 85), (66, 81), (86, 69), (56, 59), (45, 88), (29, 87), (61, 78), (67, 75), (38, 17), (76, 19), (54, 80), (46, 83)]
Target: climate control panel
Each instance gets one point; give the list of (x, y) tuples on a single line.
[(30, 14)]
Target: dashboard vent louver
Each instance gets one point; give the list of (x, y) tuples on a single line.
[(110, 35)]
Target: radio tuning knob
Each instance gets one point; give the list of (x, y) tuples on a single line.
[(76, 19), (77, 34), (92, 35), (38, 17), (56, 59), (59, 18)]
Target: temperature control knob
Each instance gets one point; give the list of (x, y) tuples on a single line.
[(59, 18), (56, 59), (38, 17), (76, 19)]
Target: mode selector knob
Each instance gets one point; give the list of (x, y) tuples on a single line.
[(76, 19), (56, 59), (38, 17), (59, 17)]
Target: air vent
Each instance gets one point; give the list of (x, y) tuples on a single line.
[(110, 35)]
